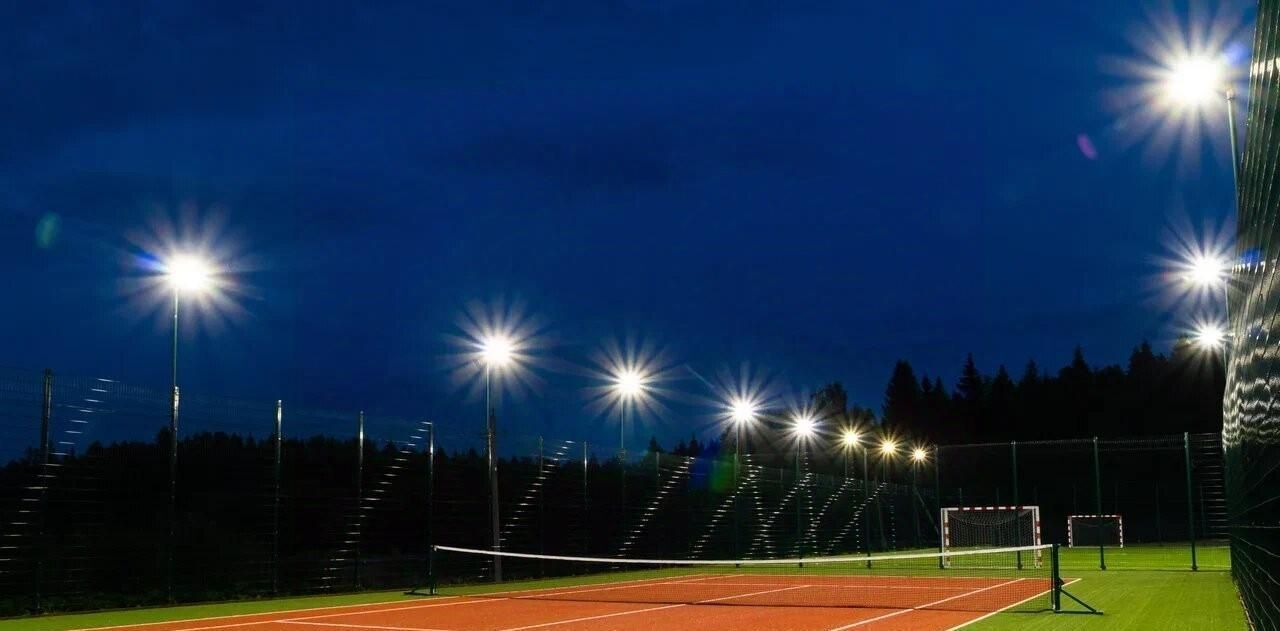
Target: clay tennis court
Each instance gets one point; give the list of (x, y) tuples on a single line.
[(740, 602)]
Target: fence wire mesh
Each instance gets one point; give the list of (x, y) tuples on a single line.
[(270, 498)]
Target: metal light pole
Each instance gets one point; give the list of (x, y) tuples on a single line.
[(741, 411), (183, 274), (491, 447)]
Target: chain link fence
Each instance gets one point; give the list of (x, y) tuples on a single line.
[(100, 507)]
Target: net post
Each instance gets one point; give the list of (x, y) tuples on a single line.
[(275, 498), (46, 413), (1097, 486), (1191, 513), (1056, 573), (431, 571)]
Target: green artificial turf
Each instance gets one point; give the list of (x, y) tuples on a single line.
[(1164, 594)]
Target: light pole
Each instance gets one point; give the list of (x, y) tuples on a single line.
[(184, 274), (849, 440), (629, 384), (918, 457), (495, 352), (741, 412), (804, 426), (888, 449)]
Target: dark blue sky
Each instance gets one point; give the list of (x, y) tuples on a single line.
[(815, 188)]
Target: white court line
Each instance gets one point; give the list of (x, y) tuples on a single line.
[(602, 589), (361, 613), (487, 597), (867, 586), (241, 615), (357, 626), (1004, 609), (635, 611), (924, 606)]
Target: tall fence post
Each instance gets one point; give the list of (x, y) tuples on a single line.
[(542, 491), (937, 484), (1191, 511), (173, 491), (42, 473), (1097, 487), (1013, 456), (359, 520), (866, 503), (275, 500), (586, 503), (431, 503)]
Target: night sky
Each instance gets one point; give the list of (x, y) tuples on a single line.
[(814, 188)]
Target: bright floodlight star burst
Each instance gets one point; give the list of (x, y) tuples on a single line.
[(849, 438), (188, 274), (889, 447), (1210, 336), (496, 350), (919, 454), (1206, 271), (629, 384), (742, 411), (1194, 80)]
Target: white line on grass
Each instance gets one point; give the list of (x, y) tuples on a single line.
[(1004, 609), (924, 606)]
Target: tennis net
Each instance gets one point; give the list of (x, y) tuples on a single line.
[(975, 580)]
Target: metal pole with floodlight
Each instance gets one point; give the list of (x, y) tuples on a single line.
[(628, 385), (184, 274), (804, 426), (495, 352), (888, 449), (742, 412), (918, 457)]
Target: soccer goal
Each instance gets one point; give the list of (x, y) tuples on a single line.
[(1095, 530), (985, 527)]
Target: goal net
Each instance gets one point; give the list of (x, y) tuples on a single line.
[(981, 527), (1095, 530)]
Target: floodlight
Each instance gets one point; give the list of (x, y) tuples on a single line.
[(629, 383), (188, 274), (1206, 271), (1210, 336), (1193, 80), (919, 454), (804, 425), (742, 411), (888, 447), (496, 350), (850, 437)]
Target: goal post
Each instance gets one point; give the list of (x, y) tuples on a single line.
[(1095, 530), (979, 527)]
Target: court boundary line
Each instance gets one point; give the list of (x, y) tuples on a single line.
[(647, 609), (922, 607), (1008, 607), (358, 626), (237, 615)]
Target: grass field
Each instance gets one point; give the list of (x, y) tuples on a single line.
[(1164, 595)]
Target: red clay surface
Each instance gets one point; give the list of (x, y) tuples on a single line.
[(741, 603)]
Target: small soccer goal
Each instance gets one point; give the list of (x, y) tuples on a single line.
[(1085, 531), (988, 527)]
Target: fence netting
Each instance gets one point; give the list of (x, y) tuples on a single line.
[(259, 498)]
